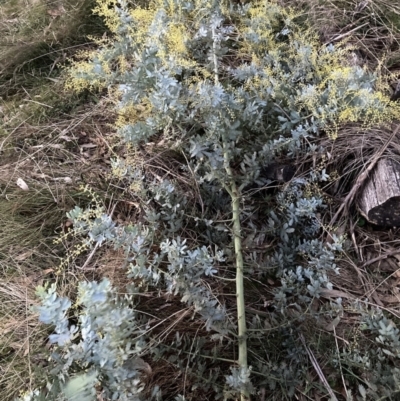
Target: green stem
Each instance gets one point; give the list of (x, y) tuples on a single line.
[(237, 240), (242, 358)]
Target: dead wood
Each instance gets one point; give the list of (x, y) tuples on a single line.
[(379, 201), (361, 179)]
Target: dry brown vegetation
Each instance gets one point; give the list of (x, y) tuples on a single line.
[(56, 141)]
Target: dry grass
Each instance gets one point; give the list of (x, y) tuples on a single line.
[(372, 27), (51, 140), (22, 338), (37, 36)]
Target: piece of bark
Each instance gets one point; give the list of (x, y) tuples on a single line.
[(363, 177), (396, 93), (379, 201)]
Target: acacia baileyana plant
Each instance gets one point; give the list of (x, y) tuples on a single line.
[(230, 87)]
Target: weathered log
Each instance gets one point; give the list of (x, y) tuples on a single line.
[(396, 93), (379, 200)]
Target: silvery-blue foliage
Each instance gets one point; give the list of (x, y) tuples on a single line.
[(107, 338)]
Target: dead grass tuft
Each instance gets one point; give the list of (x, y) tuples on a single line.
[(37, 36), (22, 337), (372, 27)]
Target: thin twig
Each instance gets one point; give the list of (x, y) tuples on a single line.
[(381, 257), (89, 259), (318, 369), (340, 364), (343, 35)]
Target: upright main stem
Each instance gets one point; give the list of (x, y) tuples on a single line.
[(241, 315), (237, 241)]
